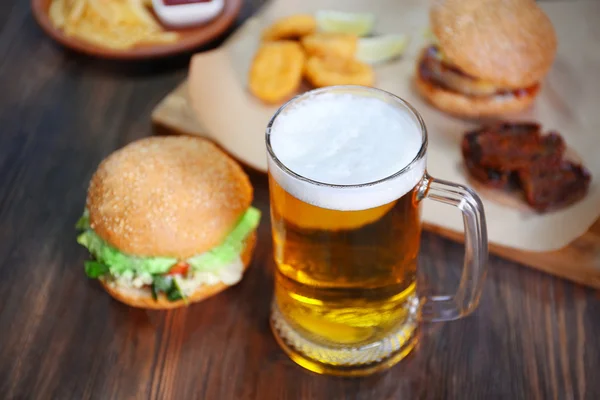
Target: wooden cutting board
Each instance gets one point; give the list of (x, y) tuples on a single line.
[(578, 262)]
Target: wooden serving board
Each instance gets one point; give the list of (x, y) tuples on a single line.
[(578, 262)]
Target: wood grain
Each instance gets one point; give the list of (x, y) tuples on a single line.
[(61, 337)]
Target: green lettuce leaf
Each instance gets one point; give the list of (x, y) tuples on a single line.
[(118, 262), (175, 293), (94, 269), (231, 248), (167, 285), (83, 223)]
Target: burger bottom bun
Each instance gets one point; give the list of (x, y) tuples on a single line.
[(469, 106), (142, 298)]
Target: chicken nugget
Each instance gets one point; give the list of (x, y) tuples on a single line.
[(276, 71), (292, 27), (332, 71), (330, 44)]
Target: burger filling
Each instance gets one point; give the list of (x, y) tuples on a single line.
[(174, 278), (438, 71)]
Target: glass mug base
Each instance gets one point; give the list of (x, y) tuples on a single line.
[(346, 360)]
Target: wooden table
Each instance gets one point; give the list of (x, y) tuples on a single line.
[(62, 337)]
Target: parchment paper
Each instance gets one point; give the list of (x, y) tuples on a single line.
[(569, 103)]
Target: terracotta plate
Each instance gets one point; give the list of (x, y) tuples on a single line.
[(190, 38)]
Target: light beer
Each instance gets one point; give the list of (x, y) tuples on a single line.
[(344, 187), (345, 277)]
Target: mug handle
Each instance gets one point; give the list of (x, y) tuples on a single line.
[(466, 299)]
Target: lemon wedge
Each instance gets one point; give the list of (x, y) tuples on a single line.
[(359, 24), (378, 49)]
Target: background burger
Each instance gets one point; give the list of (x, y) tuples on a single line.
[(488, 58), (168, 222)]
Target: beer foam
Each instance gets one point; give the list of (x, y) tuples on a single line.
[(346, 139)]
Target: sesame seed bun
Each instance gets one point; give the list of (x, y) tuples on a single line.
[(510, 43), (167, 196), (469, 106), (142, 298)]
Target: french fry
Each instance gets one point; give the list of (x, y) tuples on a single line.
[(75, 9), (140, 8), (114, 24), (56, 13)]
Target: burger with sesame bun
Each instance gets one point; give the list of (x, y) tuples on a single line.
[(488, 57), (168, 222)]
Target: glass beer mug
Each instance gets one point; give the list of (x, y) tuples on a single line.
[(347, 176)]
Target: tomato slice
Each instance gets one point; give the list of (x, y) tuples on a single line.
[(181, 268)]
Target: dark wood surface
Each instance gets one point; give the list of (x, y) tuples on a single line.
[(61, 337)]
